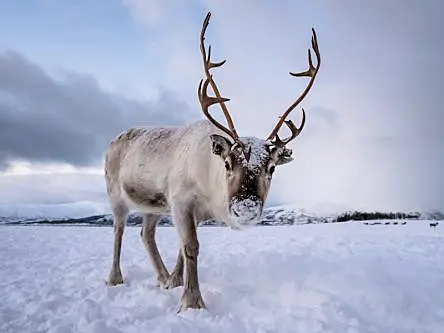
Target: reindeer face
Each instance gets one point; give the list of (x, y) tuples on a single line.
[(249, 167)]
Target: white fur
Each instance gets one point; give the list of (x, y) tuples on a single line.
[(178, 162)]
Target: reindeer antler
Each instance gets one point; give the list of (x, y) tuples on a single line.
[(311, 72), (205, 100)]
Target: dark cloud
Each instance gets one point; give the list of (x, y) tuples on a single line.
[(320, 121), (324, 116), (384, 140), (70, 120)]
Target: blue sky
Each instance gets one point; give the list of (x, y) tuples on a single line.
[(94, 37), (82, 71)]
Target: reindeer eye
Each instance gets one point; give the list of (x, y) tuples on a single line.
[(272, 168)]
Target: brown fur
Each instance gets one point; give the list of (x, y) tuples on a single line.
[(141, 196)]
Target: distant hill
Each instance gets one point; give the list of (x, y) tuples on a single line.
[(271, 216)]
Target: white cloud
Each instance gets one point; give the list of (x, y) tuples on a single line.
[(52, 188), (146, 11), (53, 195), (27, 168), (155, 12)]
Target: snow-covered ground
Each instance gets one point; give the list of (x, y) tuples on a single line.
[(342, 277)]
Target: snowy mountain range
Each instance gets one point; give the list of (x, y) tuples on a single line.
[(271, 216)]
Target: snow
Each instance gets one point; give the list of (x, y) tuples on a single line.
[(341, 277), (259, 151), (247, 210)]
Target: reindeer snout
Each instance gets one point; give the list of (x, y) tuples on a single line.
[(246, 211)]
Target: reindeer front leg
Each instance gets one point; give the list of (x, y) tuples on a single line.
[(185, 223), (120, 213)]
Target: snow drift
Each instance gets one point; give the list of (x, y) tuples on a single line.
[(341, 277)]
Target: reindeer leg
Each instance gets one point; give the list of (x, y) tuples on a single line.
[(185, 224), (176, 277), (148, 237), (120, 213)]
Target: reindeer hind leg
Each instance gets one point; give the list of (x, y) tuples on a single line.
[(176, 277)]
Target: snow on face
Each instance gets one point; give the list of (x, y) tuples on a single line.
[(249, 185), (246, 212), (260, 153)]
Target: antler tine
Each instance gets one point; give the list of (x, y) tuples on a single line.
[(311, 72), (206, 101), (208, 64), (294, 132)]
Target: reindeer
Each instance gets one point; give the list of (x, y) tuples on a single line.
[(194, 172)]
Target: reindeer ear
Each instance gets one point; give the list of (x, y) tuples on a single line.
[(221, 145), (283, 156)]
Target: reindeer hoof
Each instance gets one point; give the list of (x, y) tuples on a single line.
[(191, 300), (115, 278)]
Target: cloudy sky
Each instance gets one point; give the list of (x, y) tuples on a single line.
[(74, 74)]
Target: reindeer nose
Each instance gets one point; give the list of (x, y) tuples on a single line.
[(247, 210)]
